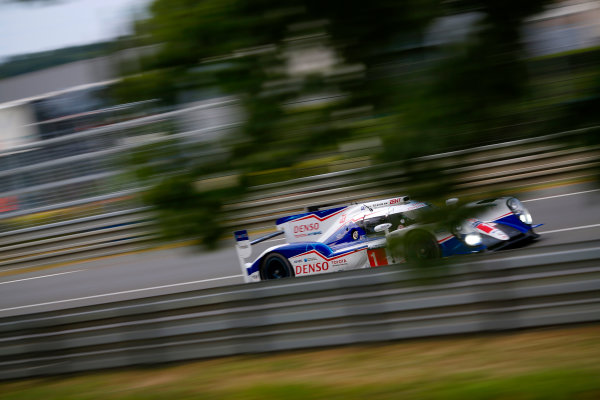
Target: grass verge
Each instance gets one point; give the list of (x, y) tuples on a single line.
[(542, 364)]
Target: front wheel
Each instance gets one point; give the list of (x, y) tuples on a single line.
[(420, 246), (275, 266)]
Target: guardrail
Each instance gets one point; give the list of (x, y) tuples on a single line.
[(497, 167), (78, 239), (479, 294), (493, 167)]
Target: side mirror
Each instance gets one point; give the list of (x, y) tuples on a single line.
[(452, 201), (383, 227)]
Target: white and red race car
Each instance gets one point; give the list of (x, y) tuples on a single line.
[(356, 236)]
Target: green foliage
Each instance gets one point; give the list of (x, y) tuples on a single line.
[(543, 383), (245, 48), (460, 97), (242, 48), (154, 84), (184, 212), (186, 209)]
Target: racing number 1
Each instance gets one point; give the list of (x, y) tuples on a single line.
[(377, 257)]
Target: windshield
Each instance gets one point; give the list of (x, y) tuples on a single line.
[(398, 221), (369, 224), (412, 216)]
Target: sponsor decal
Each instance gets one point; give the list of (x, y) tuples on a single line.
[(306, 228), (341, 261), (377, 257), (313, 255), (381, 204), (329, 259), (489, 229), (415, 206), (307, 260), (311, 268), (308, 234), (484, 228)]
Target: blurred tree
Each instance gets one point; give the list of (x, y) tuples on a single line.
[(464, 95), (260, 50), (250, 49)]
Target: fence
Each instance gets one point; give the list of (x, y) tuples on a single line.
[(117, 230), (84, 165), (556, 285)]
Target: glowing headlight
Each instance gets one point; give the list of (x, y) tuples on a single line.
[(525, 217), (473, 239)]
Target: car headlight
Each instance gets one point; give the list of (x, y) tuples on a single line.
[(525, 217), (514, 204), (519, 210), (473, 239)]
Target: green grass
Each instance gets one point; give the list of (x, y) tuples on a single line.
[(545, 364)]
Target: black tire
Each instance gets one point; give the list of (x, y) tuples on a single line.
[(275, 266), (421, 246)]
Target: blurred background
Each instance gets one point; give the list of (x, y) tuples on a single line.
[(186, 106), (191, 107), (124, 122)]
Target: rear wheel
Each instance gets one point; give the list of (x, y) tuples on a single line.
[(421, 246), (275, 266)]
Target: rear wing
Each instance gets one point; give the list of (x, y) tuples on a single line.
[(243, 246), (244, 251)]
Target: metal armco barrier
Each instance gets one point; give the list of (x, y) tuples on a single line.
[(505, 165), (560, 285), (78, 239)]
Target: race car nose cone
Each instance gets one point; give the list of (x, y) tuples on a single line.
[(488, 229), (498, 234)]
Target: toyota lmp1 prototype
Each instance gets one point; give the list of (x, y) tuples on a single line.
[(356, 236)]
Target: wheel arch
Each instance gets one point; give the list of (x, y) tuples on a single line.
[(424, 233), (274, 254)]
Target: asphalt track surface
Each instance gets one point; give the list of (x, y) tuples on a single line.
[(571, 214)]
